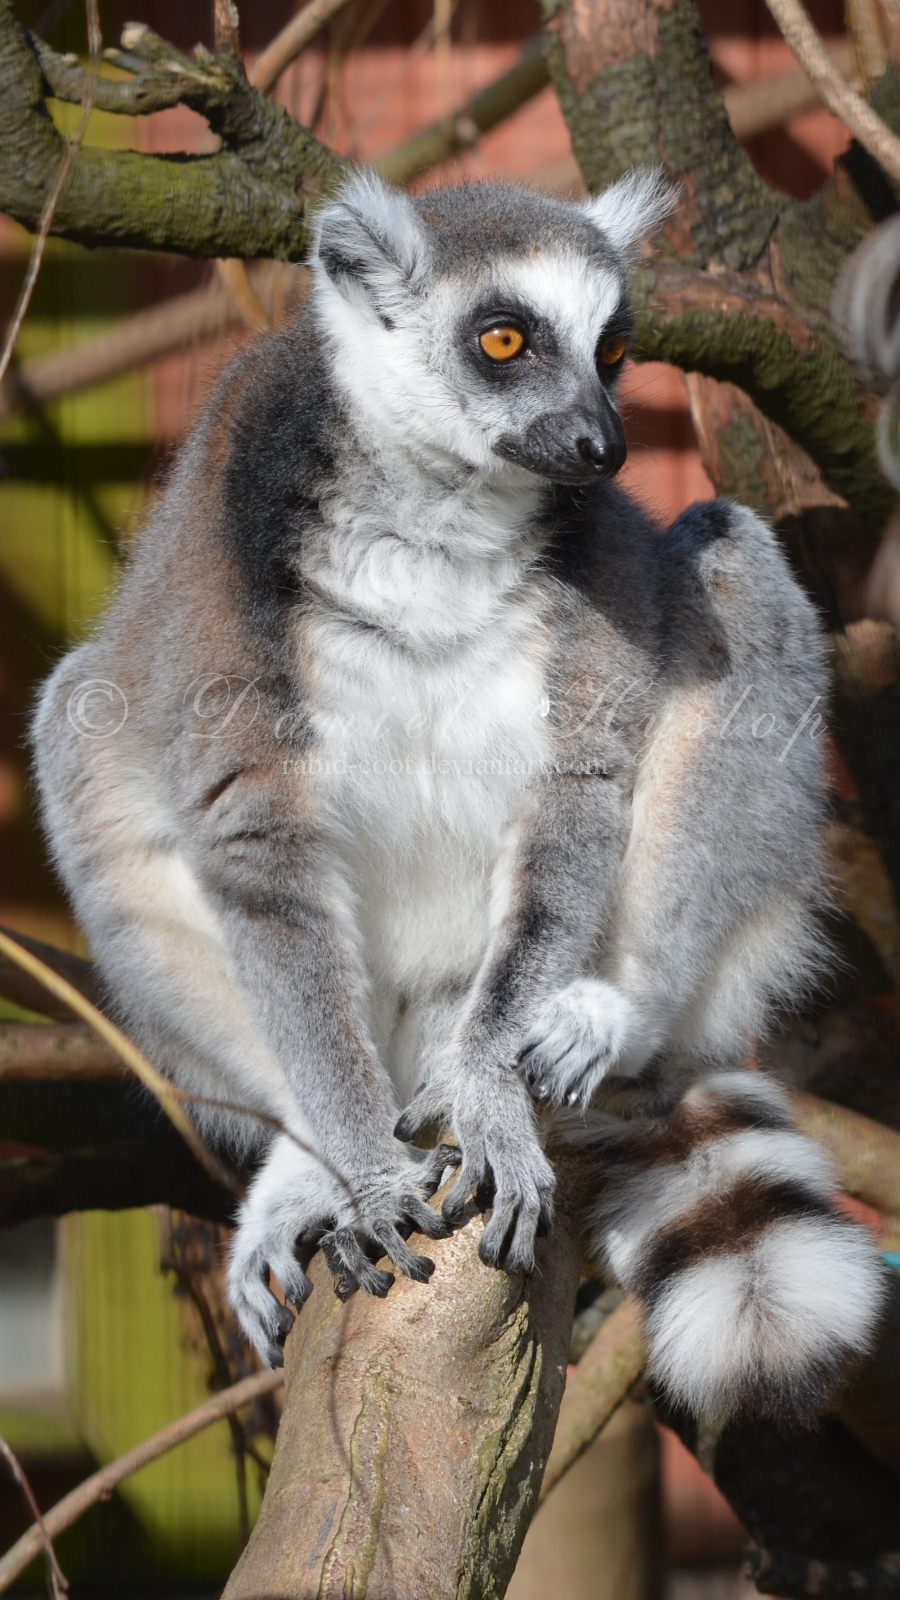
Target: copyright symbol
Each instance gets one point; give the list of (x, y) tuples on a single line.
[(97, 708)]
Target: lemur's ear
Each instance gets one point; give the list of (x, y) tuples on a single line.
[(373, 245), (632, 208)]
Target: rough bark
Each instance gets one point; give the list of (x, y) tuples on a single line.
[(415, 1431), (247, 199), (635, 84)]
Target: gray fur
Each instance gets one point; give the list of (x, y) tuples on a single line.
[(442, 763)]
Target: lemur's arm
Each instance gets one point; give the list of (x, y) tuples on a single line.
[(202, 890), (551, 897), (287, 920)]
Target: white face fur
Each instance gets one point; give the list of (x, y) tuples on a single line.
[(414, 328)]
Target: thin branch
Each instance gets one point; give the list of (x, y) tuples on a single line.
[(865, 125), (102, 1483), (293, 38), (59, 1584), (767, 102), (163, 1092), (132, 342), (463, 128), (95, 45), (25, 991), (57, 1052), (610, 1366)]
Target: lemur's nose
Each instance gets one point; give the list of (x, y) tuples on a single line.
[(594, 451)]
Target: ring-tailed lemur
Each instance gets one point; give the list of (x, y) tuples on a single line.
[(430, 759)]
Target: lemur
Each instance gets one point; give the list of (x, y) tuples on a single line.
[(417, 773)]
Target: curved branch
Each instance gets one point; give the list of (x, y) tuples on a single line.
[(866, 126), (101, 1484), (248, 199), (724, 325)]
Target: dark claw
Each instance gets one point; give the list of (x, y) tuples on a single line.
[(376, 1282), (285, 1323), (455, 1203), (407, 1126), (389, 1241)]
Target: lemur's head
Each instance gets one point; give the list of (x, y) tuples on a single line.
[(485, 325)]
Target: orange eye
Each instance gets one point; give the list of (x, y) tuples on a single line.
[(611, 351), (502, 343)]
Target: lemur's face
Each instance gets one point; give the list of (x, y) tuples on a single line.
[(486, 326)]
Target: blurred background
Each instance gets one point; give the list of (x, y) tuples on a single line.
[(110, 1323)]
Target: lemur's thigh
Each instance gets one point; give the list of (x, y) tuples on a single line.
[(155, 934)]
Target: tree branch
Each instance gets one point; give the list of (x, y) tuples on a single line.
[(610, 1366), (863, 122), (101, 1484), (249, 199), (440, 1400), (726, 326), (635, 85)]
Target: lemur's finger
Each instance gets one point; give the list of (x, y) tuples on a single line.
[(388, 1239), (520, 1248), (436, 1164), (423, 1218), (264, 1320), (350, 1267), (454, 1205), (494, 1241), (290, 1274), (426, 1112)]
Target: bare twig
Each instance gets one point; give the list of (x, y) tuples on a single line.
[(865, 125), (102, 1483), (227, 29), (293, 38), (58, 1582), (163, 1092), (609, 1367), (95, 46), (132, 342), (867, 39), (768, 102), (247, 303), (59, 1052), (24, 991), (462, 128)]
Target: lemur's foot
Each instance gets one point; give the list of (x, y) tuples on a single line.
[(295, 1207), (579, 1037), (503, 1163)]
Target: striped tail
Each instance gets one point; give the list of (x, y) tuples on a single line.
[(759, 1294)]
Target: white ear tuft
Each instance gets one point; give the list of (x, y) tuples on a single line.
[(372, 244), (633, 207)]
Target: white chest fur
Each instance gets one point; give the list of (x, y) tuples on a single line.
[(424, 668)]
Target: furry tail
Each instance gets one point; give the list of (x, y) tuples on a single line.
[(758, 1293)]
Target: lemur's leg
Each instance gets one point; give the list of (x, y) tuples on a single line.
[(551, 887), (757, 1292), (712, 920), (234, 958)]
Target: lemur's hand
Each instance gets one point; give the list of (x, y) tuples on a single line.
[(296, 1207), (583, 1032), (491, 1114)]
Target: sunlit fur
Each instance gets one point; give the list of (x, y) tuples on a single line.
[(432, 798)]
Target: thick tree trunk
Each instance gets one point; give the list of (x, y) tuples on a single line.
[(415, 1431)]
